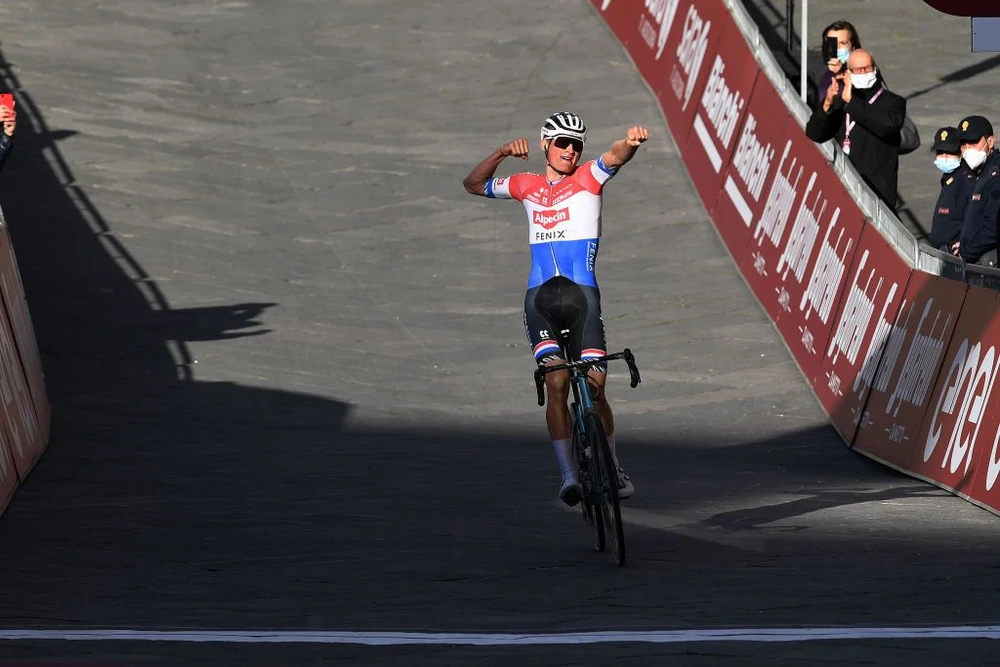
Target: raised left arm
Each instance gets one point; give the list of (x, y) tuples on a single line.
[(623, 150)]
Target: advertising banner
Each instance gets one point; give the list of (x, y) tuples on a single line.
[(8, 473), (803, 242), (876, 283), (901, 391), (721, 107), (747, 179), (962, 422), (16, 409), (12, 291), (669, 41)]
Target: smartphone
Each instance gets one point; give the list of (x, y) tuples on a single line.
[(7, 100), (829, 48)]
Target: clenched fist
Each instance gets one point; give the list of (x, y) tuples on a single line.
[(636, 135), (516, 148)]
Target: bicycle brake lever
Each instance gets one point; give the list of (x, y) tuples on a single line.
[(633, 370)]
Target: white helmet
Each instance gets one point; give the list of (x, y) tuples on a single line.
[(564, 124)]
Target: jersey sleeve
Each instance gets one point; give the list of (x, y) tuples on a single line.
[(594, 175), (506, 187)]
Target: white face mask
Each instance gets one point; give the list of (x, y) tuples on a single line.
[(974, 157), (864, 81)]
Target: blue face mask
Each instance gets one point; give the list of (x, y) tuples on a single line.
[(842, 55), (947, 164)]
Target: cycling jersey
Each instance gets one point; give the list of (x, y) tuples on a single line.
[(564, 220)]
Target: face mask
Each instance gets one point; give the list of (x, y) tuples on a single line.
[(864, 81), (974, 157), (947, 164), (842, 55)]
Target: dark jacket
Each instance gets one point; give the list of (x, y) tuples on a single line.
[(6, 146), (874, 150), (949, 211), (979, 229)]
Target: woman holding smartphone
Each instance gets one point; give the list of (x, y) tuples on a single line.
[(839, 39)]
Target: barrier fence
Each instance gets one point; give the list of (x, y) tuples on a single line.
[(899, 343), (24, 404)]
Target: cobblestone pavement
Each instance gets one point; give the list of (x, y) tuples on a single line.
[(289, 375)]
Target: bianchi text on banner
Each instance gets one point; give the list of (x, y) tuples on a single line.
[(875, 286)]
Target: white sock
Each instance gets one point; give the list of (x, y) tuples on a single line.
[(614, 452), (564, 454)]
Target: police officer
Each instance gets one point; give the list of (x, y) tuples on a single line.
[(978, 243), (957, 181)]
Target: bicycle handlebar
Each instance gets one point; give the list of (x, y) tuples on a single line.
[(625, 354)]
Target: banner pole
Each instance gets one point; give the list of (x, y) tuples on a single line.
[(802, 40)]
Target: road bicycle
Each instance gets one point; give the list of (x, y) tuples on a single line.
[(598, 472)]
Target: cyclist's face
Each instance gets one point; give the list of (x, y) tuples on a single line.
[(563, 152)]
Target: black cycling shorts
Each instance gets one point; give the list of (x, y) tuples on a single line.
[(558, 304)]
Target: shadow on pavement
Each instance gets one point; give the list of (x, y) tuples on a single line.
[(169, 502)]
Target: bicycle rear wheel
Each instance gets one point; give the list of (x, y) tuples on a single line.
[(604, 477), (590, 491)]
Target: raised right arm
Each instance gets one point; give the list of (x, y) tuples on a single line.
[(475, 182)]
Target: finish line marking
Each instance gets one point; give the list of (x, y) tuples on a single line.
[(502, 639)]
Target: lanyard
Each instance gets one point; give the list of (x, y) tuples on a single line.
[(849, 124)]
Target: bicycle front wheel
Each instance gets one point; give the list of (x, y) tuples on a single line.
[(591, 490), (604, 477)]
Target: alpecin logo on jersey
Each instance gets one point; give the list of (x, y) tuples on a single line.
[(549, 219)]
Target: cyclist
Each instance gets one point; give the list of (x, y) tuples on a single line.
[(564, 228)]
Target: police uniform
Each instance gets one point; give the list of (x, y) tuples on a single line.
[(979, 227), (956, 188)]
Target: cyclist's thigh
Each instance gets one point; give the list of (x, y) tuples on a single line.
[(588, 341), (542, 334)]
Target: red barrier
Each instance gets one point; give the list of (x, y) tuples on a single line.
[(871, 338), (722, 105), (741, 201), (952, 436), (8, 473), (901, 392), (24, 334), (801, 246), (668, 41), (15, 403), (877, 280)]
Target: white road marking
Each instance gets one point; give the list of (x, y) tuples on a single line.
[(505, 639)]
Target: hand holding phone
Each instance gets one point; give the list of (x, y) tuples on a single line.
[(829, 48), (8, 117)]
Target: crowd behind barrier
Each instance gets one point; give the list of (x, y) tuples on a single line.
[(898, 341), (24, 406)]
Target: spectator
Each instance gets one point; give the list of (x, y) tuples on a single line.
[(8, 118), (957, 181), (979, 228), (847, 41), (865, 118)]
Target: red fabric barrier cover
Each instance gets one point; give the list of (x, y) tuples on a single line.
[(748, 177), (8, 473), (669, 41), (874, 290), (901, 392), (18, 414), (961, 423), (801, 247), (24, 333), (869, 332), (721, 106)]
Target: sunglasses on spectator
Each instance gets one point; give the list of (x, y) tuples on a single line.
[(566, 142)]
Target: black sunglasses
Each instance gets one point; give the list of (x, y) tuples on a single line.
[(566, 142)]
